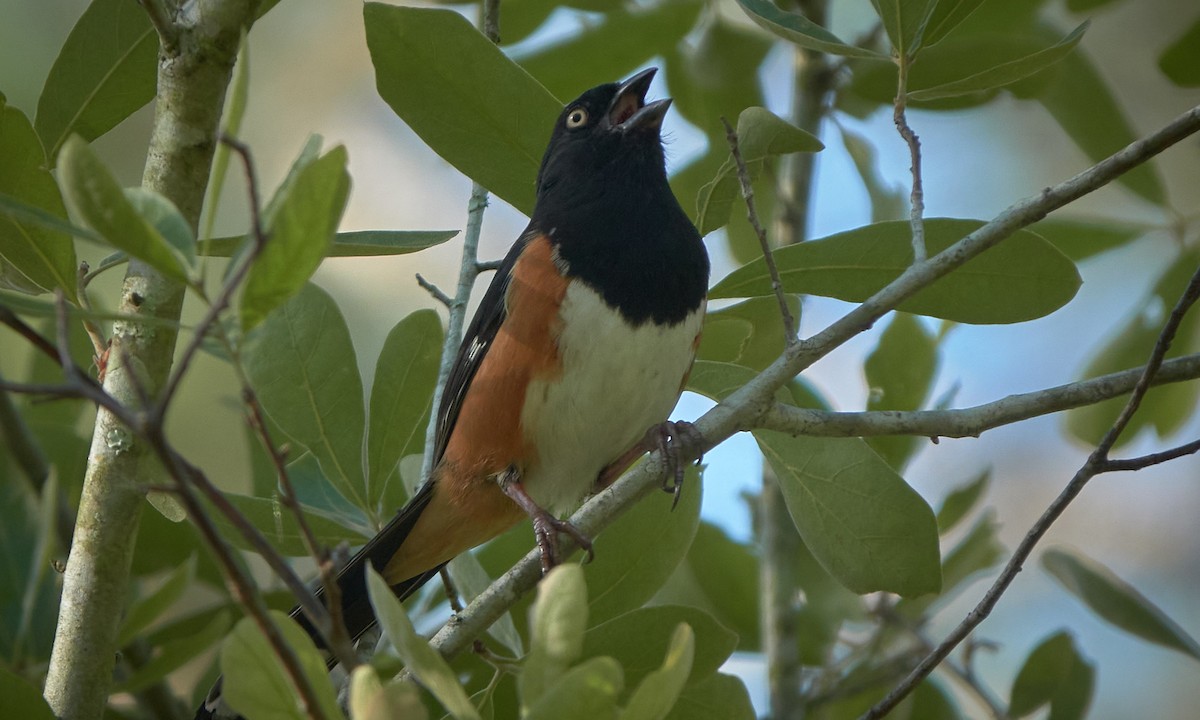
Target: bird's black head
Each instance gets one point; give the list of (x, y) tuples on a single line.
[(604, 140)]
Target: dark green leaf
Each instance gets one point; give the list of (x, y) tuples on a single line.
[(801, 31), (625, 39), (401, 398), (589, 690), (946, 16), (867, 527), (37, 257), (900, 374), (905, 22), (174, 654), (94, 197), (361, 243), (104, 72), (278, 524), (29, 597), (707, 78), (556, 623), (1081, 238), (20, 699), (301, 231), (1180, 62), (720, 697), (302, 365), (1117, 601), (639, 640), (147, 609), (474, 107), (1078, 6), (255, 683), (727, 574), (1005, 73), (656, 694), (749, 333), (930, 701), (961, 501), (1053, 673), (1020, 279)]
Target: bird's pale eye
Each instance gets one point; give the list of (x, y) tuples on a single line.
[(577, 118)]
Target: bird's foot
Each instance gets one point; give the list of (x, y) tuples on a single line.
[(675, 441), (546, 527)]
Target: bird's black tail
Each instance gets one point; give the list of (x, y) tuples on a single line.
[(352, 582)]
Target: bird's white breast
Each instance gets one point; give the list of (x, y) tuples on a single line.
[(616, 382)]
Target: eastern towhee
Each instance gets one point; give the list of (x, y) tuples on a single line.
[(581, 344)]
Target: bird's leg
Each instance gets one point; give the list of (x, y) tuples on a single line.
[(546, 527), (674, 440)]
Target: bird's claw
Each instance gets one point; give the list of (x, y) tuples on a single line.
[(546, 528), (674, 440)]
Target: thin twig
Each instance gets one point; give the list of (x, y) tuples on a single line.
[(789, 323), (1145, 461), (917, 197), (435, 291), (99, 343), (487, 265), (491, 20), (1094, 465)]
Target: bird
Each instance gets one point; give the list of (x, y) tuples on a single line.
[(573, 361)]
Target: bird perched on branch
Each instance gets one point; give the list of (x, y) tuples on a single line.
[(573, 361)]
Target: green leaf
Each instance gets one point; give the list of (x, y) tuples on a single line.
[(639, 639), (961, 501), (20, 699), (301, 231), (979, 550), (166, 220), (865, 525), (231, 126), (302, 365), (370, 699), (94, 197), (1117, 601), (707, 78), (1020, 279), (37, 257), (887, 201), (727, 573), (1053, 673), (656, 695), (802, 31), (749, 333), (1082, 238), (147, 609), (361, 243), (720, 697), (1077, 6), (1180, 62), (401, 398), (557, 622), (946, 16), (588, 690), (930, 701), (474, 107), (471, 579), (626, 38), (173, 654), (255, 683), (278, 524), (104, 72), (29, 597), (905, 22), (1006, 73), (623, 575), (421, 660), (900, 373)]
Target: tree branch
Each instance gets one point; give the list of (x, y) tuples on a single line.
[(917, 196)]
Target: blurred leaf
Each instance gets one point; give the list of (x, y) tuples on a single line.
[(623, 574), (979, 550), (865, 525), (900, 373), (94, 197), (1005, 73), (639, 639), (727, 572), (421, 660), (29, 596), (166, 220), (255, 683), (802, 31), (589, 690), (720, 697), (557, 623), (1053, 673), (1020, 279), (887, 201), (1084, 106), (523, 17), (905, 22), (474, 107), (1117, 601), (401, 397), (302, 365), (1082, 238), (709, 78), (278, 524), (749, 333), (371, 699), (1078, 6), (316, 493), (301, 231), (361, 243), (36, 257), (961, 501), (177, 652), (471, 579), (1180, 62), (20, 699), (656, 694), (626, 38), (827, 606), (231, 126), (1165, 409), (147, 609), (104, 72), (946, 16)]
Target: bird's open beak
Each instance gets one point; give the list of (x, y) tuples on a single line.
[(628, 111)]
